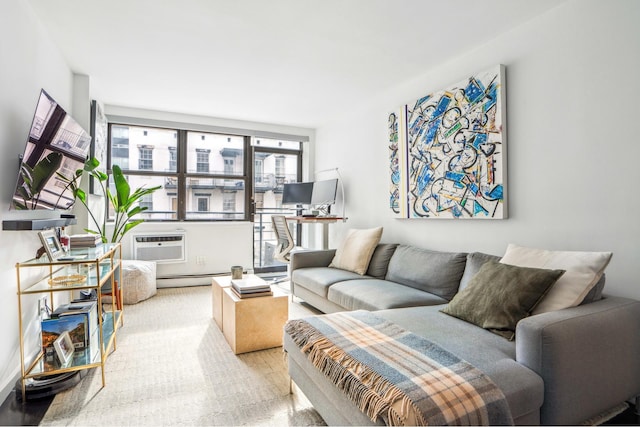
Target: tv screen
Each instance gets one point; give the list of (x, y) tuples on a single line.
[(56, 144), (324, 192), (297, 193)]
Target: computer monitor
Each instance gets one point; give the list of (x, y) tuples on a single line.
[(324, 192), (297, 193)]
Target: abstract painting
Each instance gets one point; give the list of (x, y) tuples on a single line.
[(448, 151), (397, 165)]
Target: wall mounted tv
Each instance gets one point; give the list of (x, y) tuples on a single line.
[(56, 144)]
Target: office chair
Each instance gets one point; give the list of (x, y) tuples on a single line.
[(284, 238)]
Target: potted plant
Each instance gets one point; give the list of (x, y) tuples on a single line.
[(124, 202)]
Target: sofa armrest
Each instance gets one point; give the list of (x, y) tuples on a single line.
[(587, 357), (312, 258)]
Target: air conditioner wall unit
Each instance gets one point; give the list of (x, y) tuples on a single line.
[(161, 247)]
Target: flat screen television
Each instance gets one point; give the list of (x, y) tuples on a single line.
[(297, 193), (56, 144), (324, 192)]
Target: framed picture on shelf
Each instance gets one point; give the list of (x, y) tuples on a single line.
[(64, 347), (51, 244)]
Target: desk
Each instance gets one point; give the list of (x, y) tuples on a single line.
[(324, 220)]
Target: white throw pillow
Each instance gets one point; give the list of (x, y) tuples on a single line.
[(583, 270), (356, 250)]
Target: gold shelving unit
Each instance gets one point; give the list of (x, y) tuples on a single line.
[(92, 270)]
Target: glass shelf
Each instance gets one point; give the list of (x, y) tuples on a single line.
[(70, 275), (94, 254), (86, 358), (94, 268)]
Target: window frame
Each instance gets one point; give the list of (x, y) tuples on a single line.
[(178, 190), (180, 175)]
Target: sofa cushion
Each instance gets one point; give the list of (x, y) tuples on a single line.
[(318, 279), (500, 295), (430, 271), (355, 251), (475, 260), (583, 270), (380, 260), (492, 354), (376, 294), (595, 294)]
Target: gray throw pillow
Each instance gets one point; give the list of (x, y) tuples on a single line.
[(380, 260), (500, 295), (475, 260), (435, 272)]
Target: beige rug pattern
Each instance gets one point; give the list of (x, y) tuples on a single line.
[(173, 366)]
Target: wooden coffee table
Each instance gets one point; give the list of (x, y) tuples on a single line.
[(250, 324)]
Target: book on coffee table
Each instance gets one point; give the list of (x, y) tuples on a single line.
[(249, 286), (252, 294)]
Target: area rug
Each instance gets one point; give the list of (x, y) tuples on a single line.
[(173, 366)]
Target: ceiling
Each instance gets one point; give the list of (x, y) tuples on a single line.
[(291, 62)]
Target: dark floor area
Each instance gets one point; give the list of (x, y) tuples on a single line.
[(627, 418), (14, 413)]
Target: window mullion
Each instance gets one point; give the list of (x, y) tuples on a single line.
[(182, 178)]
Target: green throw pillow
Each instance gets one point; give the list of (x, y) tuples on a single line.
[(500, 295)]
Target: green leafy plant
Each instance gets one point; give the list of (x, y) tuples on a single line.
[(124, 202), (35, 179)]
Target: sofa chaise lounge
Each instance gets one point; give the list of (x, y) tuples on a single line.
[(565, 366)]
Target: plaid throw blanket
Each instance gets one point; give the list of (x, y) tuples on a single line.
[(395, 375)]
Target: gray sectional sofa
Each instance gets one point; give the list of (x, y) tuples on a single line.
[(564, 367)]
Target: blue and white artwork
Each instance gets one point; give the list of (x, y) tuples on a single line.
[(452, 147), (397, 165)]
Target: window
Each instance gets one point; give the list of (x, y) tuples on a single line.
[(145, 159), (202, 162), (203, 176), (147, 202), (229, 166), (228, 204), (173, 159), (203, 204), (280, 166), (120, 146), (258, 169)]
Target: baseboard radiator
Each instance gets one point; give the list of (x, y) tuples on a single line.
[(169, 247), (202, 279)]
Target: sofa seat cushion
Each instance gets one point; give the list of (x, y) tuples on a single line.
[(375, 294), (492, 354), (318, 279), (432, 271)]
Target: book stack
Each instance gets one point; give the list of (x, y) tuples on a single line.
[(250, 288), (85, 240)]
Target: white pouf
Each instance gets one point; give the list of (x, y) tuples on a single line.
[(138, 280)]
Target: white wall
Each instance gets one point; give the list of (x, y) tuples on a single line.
[(220, 245), (28, 63), (572, 101)]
